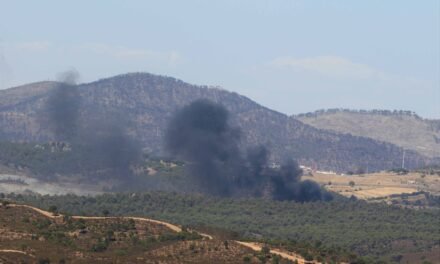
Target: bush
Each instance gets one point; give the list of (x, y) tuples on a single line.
[(53, 209), (44, 261), (265, 250), (192, 246), (226, 244), (100, 246)]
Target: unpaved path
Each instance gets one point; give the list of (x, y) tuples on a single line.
[(54, 216), (141, 219), (15, 251), (174, 228), (45, 213), (283, 254)]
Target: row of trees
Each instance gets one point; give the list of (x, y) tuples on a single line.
[(373, 111)]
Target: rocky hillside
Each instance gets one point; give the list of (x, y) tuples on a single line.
[(402, 128), (146, 102)]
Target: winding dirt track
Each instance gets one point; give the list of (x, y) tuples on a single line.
[(286, 255), (174, 228), (15, 251), (251, 245)]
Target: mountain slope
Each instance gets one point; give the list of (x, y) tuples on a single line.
[(403, 129), (146, 102)]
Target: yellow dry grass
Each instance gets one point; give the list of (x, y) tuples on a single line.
[(377, 185), (382, 192)]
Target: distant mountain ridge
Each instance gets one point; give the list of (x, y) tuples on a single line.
[(402, 128), (148, 101), (382, 112)]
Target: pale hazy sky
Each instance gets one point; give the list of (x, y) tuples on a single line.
[(292, 56)]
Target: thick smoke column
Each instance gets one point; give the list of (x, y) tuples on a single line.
[(63, 107), (287, 185), (201, 135), (107, 144), (101, 137)]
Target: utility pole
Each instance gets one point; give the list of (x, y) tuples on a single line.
[(403, 159)]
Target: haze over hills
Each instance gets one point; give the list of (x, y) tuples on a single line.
[(146, 102), (402, 128)]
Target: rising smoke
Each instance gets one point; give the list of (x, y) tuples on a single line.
[(63, 107), (102, 137), (200, 134)]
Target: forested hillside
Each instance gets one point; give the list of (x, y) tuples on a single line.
[(146, 102)]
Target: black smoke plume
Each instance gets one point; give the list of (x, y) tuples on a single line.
[(101, 137), (107, 143), (201, 135), (63, 107)]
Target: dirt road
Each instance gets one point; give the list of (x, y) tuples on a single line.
[(283, 254), (15, 251), (172, 227)]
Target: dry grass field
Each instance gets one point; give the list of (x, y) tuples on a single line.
[(377, 185)]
